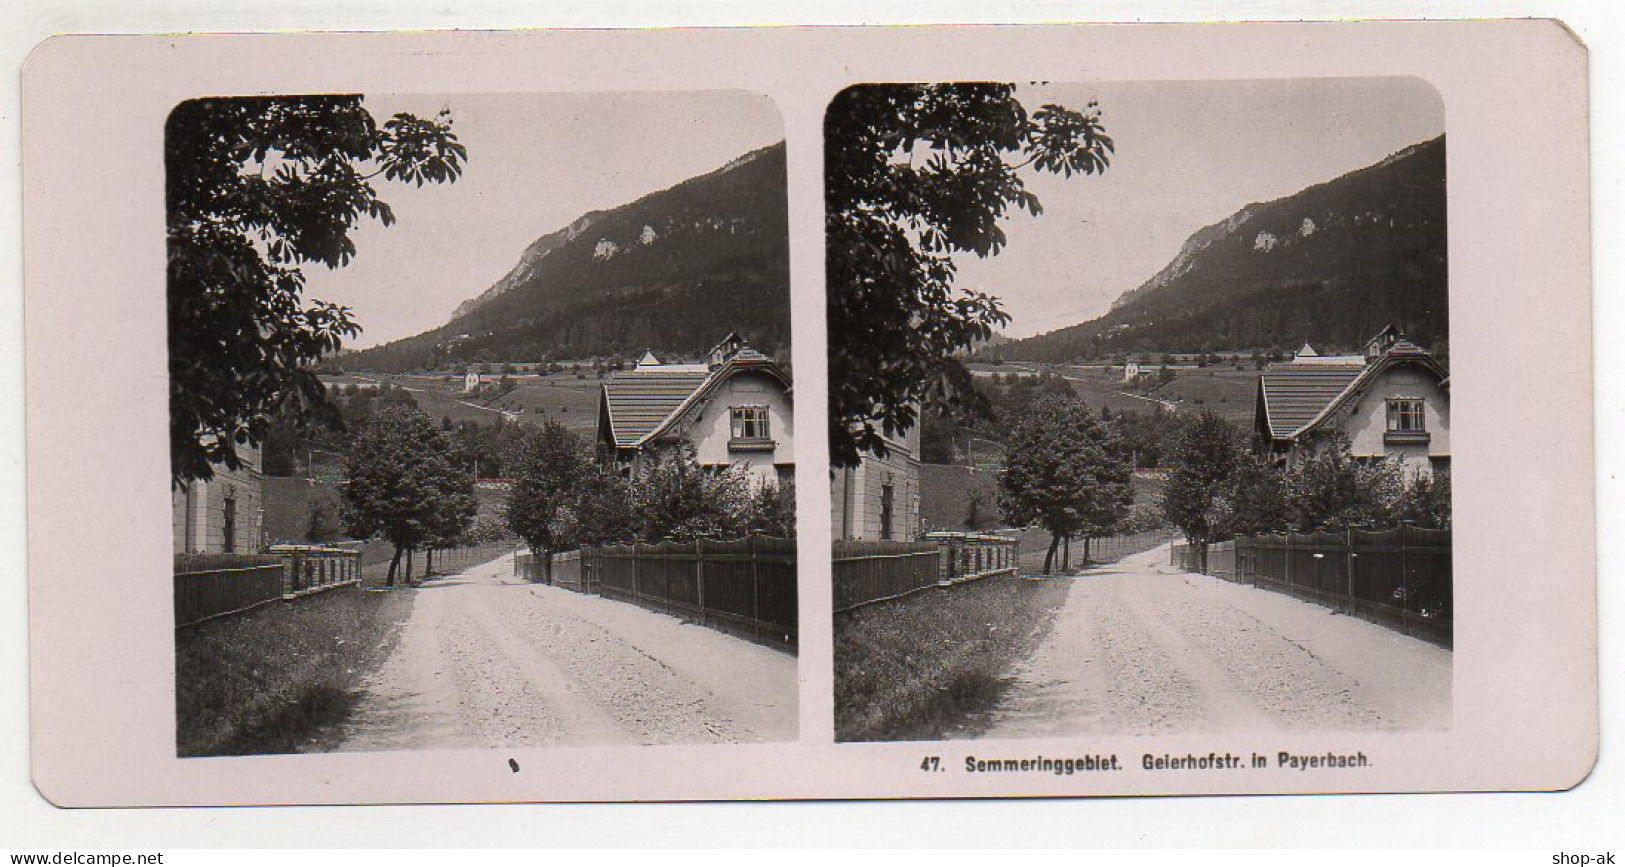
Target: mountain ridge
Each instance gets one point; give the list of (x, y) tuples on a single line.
[(1328, 264), (654, 273)]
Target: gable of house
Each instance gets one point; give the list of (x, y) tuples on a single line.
[(737, 412), (1398, 404)]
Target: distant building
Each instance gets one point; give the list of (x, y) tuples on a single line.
[(471, 382), (1391, 400), (734, 408), (725, 349), (879, 499), (224, 515), (1131, 370)]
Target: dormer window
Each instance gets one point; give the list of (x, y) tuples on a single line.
[(749, 428)]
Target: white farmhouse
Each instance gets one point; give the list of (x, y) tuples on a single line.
[(1391, 400), (223, 515), (734, 409)]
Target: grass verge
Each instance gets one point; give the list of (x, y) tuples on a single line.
[(920, 667), (272, 678)]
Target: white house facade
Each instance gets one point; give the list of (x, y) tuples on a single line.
[(1392, 401), (734, 409), (224, 515), (879, 499)]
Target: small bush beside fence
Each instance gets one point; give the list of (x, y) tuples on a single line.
[(1400, 577)]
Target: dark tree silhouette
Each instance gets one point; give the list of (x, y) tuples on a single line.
[(915, 173), (255, 188), (1065, 470), (405, 484), (551, 466), (1206, 457)]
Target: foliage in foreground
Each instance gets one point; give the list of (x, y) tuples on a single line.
[(560, 500), (915, 174), (1218, 490), (256, 188), (273, 679), (925, 666)]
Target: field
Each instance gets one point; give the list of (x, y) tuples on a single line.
[(572, 401), (1229, 392), (947, 492), (1221, 388)]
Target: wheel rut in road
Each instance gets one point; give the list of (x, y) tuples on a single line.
[(1141, 649), (487, 661)]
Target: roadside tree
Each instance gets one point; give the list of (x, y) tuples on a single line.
[(1202, 464), (404, 484), (551, 465), (914, 174), (1427, 501), (602, 512), (256, 188), (773, 510), (1065, 471), (1256, 499)]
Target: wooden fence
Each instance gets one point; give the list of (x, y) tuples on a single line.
[(747, 587), (566, 569), (288, 572), (866, 572), (967, 556), (1221, 559), (1109, 548), (1400, 578)]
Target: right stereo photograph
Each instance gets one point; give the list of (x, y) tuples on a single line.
[(1135, 387)]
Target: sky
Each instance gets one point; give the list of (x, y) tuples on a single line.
[(536, 162), (1188, 154)]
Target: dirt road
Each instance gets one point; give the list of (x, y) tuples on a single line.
[(488, 660), (1142, 649)]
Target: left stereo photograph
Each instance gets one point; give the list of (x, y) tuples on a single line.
[(481, 426)]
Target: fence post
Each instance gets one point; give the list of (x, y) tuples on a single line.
[(1289, 559), (699, 574), (755, 591), (1404, 568), (1348, 555)]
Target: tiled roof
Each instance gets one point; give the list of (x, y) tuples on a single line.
[(1295, 394), (640, 400), (1403, 348)]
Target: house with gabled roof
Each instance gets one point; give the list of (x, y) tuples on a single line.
[(1392, 400), (734, 408)]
